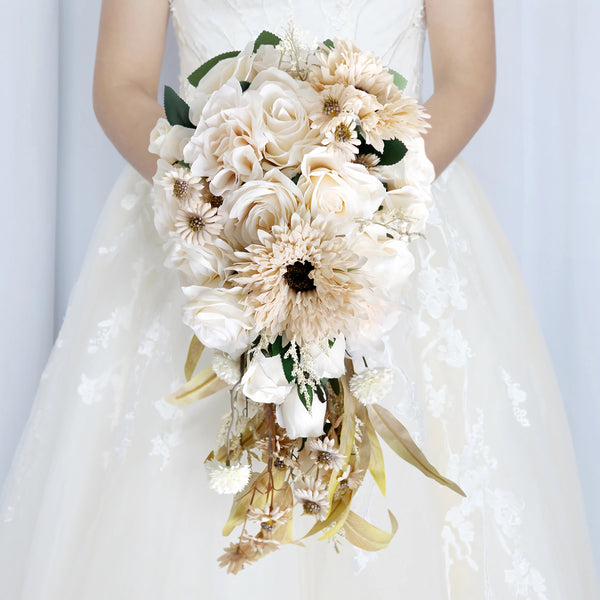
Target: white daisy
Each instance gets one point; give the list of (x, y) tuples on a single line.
[(325, 454), (199, 223)]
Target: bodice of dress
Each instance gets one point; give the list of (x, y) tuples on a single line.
[(393, 30)]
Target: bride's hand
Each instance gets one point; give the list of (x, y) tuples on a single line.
[(130, 50), (463, 57)]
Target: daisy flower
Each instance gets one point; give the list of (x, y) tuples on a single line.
[(183, 186), (198, 224), (325, 454), (312, 495)]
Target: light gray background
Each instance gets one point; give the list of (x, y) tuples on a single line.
[(536, 157)]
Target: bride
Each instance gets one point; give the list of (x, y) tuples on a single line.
[(107, 497)]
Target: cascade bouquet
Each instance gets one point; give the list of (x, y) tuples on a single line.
[(289, 185)]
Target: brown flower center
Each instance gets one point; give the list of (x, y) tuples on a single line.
[(268, 525), (343, 133), (331, 106), (180, 188), (310, 507), (324, 458), (297, 276), (214, 201), (195, 222)]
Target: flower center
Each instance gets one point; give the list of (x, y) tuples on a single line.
[(268, 525), (195, 222), (324, 458), (331, 106), (279, 463), (180, 188), (214, 201), (297, 276), (343, 133), (310, 507)]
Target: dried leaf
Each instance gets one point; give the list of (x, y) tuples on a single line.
[(376, 463), (193, 356), (241, 504), (204, 384), (398, 439), (362, 534), (340, 519)]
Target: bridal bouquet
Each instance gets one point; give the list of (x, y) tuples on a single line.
[(288, 188)]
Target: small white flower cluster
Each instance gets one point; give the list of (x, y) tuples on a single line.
[(372, 385), (227, 479)]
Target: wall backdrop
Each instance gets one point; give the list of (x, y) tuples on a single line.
[(536, 157)]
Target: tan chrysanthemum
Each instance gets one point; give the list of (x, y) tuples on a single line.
[(302, 280), (183, 186), (312, 495), (237, 555), (350, 479), (403, 119), (325, 454), (268, 518), (198, 223)]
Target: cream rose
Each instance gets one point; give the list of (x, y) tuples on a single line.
[(218, 319), (286, 122), (240, 68), (264, 381), (205, 265), (389, 261), (227, 147), (299, 422), (324, 360), (333, 186), (259, 205)]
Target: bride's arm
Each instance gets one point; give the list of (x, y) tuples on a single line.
[(130, 50), (463, 56)]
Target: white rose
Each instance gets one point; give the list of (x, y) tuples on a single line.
[(239, 68), (389, 261), (259, 205), (158, 135), (205, 265), (333, 186), (286, 121), (227, 147), (405, 203), (326, 361), (265, 381), (218, 319), (299, 422), (174, 143)]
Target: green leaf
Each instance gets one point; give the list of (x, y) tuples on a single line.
[(266, 38), (393, 152), (288, 365), (199, 73), (331, 343), (328, 43), (183, 164), (276, 347), (176, 109), (335, 386), (296, 178), (244, 85), (307, 399), (399, 81)]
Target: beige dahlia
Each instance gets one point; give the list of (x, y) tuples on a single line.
[(302, 279), (345, 63)]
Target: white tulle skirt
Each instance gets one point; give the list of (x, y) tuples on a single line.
[(108, 498)]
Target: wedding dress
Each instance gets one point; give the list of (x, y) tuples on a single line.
[(108, 498)]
